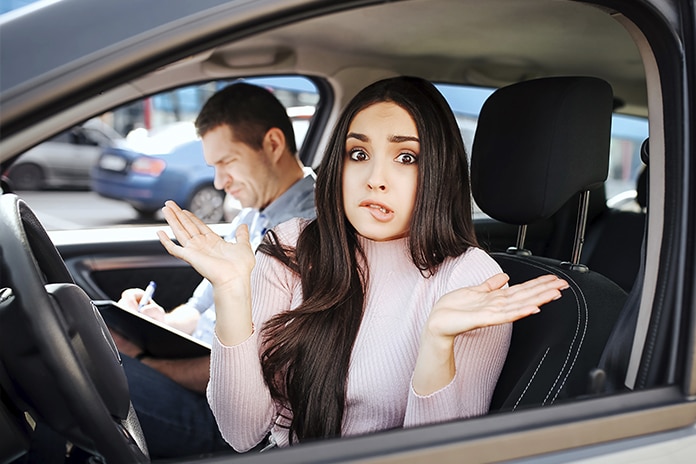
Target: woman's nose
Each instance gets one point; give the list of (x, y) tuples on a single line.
[(376, 186), (377, 180)]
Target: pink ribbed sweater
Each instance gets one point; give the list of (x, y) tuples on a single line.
[(379, 393)]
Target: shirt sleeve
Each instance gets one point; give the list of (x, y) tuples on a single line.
[(237, 392), (479, 357), (202, 297)]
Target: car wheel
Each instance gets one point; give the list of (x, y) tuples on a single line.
[(145, 213), (65, 369), (206, 203), (27, 177)]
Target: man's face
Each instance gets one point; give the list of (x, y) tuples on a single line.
[(240, 170)]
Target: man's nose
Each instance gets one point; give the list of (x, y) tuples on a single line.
[(221, 179)]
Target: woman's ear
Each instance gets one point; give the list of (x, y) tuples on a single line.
[(274, 143)]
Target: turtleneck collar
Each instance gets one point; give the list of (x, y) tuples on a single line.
[(399, 246)]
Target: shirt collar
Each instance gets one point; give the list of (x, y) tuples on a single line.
[(298, 197)]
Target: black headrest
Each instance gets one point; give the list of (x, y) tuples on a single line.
[(645, 151), (642, 181), (642, 188), (538, 143)]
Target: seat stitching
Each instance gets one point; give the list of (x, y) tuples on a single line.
[(580, 343), (575, 289), (554, 270), (531, 379)]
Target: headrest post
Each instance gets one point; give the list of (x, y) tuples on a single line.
[(519, 249), (521, 236), (580, 231)]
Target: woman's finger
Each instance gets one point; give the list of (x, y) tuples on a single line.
[(491, 303), (242, 234), (544, 285), (184, 224), (172, 214), (533, 293), (171, 247), (495, 282), (200, 227)]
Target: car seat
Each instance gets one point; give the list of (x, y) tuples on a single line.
[(538, 144)]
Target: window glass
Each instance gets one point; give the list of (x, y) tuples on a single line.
[(627, 135), (121, 166)]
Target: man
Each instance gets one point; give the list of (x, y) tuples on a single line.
[(249, 139)]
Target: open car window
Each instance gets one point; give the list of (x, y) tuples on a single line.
[(123, 164), (158, 124)]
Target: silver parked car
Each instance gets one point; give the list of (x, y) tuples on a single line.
[(65, 160)]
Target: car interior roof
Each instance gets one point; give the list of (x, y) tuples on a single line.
[(487, 44)]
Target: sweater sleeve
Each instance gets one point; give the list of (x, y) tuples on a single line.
[(479, 357), (237, 393)]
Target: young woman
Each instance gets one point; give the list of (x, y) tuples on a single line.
[(382, 312)]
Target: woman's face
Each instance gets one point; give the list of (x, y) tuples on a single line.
[(380, 174)]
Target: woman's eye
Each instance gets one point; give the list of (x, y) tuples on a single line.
[(406, 158), (358, 155)]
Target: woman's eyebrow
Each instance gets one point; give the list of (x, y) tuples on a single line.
[(403, 138), (392, 138), (355, 135)]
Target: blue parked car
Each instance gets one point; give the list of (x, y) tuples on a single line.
[(167, 165)]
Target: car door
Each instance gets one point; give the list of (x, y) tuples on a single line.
[(654, 418), (106, 267)]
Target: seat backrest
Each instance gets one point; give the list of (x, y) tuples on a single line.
[(537, 144)]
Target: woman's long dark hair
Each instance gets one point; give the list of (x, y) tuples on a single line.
[(307, 351)]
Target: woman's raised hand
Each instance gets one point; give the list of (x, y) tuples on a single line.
[(215, 259), (469, 308), (491, 303)]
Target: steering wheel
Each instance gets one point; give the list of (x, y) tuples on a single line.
[(58, 360)]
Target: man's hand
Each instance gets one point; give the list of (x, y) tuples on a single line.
[(130, 299)]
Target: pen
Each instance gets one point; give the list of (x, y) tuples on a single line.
[(149, 291)]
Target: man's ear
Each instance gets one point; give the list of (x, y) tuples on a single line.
[(274, 143)]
